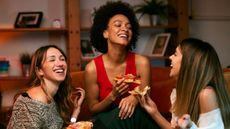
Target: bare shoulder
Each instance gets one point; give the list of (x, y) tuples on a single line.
[(143, 69), (141, 60), (90, 73), (36, 93), (208, 100), (90, 67)]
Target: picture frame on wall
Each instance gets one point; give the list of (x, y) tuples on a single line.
[(159, 45), (28, 20)]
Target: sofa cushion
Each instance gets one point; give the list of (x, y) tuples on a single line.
[(160, 74), (162, 85), (78, 81), (160, 94)]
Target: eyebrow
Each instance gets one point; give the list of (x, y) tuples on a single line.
[(52, 56), (121, 21)]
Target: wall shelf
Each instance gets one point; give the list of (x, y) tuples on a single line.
[(64, 30), (178, 27)]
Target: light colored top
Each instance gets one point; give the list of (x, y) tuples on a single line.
[(32, 114), (208, 120)]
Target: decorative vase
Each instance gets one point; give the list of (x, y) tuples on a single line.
[(26, 70), (162, 21), (154, 20), (144, 20)]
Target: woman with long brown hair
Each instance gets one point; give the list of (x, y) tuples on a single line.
[(200, 99), (47, 103)]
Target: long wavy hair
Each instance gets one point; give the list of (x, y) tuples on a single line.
[(101, 19), (200, 67), (63, 95)]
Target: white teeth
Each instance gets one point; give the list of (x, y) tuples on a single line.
[(59, 70), (123, 35)]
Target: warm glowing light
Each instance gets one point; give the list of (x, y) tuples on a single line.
[(8, 36)]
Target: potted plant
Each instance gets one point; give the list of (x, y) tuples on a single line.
[(25, 60), (154, 8)]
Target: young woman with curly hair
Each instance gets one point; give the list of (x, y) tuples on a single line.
[(114, 33)]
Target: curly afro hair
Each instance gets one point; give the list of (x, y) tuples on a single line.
[(101, 19)]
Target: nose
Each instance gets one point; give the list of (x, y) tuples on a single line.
[(124, 28), (170, 57), (60, 63)]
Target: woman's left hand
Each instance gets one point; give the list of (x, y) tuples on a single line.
[(79, 96), (127, 106), (183, 122)]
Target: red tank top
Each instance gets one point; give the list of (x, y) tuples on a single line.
[(103, 80)]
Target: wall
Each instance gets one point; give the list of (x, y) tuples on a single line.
[(212, 30), (12, 44), (215, 32), (211, 22)]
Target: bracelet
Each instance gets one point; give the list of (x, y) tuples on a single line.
[(73, 120)]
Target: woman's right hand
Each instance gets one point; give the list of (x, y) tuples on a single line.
[(119, 88), (147, 103)]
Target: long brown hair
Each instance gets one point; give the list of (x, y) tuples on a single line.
[(200, 67), (63, 95)]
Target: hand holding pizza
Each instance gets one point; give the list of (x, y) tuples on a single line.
[(119, 88), (145, 101), (123, 83)]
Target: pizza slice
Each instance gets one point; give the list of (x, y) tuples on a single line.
[(81, 125), (138, 91), (137, 81), (118, 77), (128, 78)]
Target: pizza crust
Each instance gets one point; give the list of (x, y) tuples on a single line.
[(81, 125), (138, 91)]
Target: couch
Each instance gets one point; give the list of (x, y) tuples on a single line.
[(161, 88)]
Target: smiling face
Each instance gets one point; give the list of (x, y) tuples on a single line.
[(119, 30), (54, 66), (176, 59)]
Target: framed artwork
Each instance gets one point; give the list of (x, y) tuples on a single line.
[(159, 44), (28, 20)]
